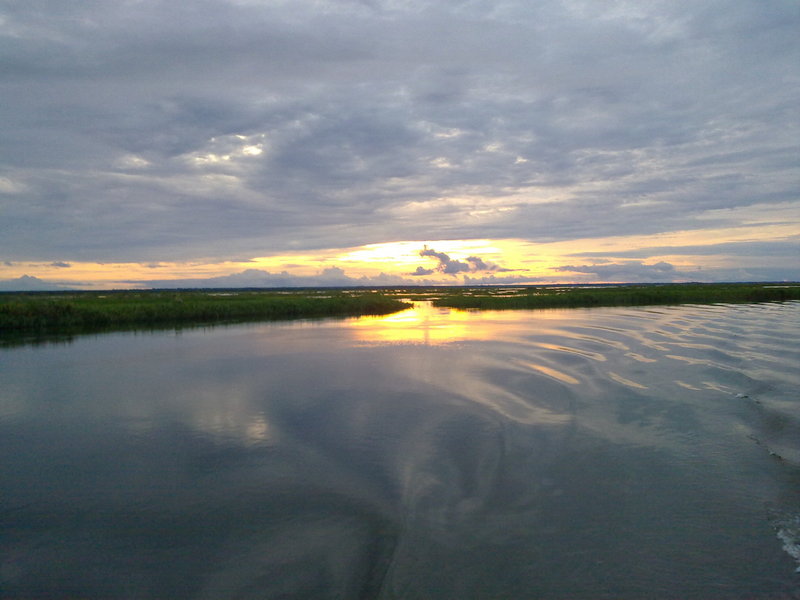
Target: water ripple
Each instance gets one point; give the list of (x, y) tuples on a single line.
[(623, 452)]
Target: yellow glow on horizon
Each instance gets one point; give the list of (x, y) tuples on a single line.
[(408, 253), (533, 261)]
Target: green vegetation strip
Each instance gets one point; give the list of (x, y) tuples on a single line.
[(74, 312), (81, 311), (621, 295)]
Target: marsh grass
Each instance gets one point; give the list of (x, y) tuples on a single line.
[(621, 295), (92, 311), (77, 312)]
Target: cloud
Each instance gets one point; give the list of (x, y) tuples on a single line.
[(503, 280), (60, 264), (449, 266), (29, 283), (632, 271), (787, 248), (446, 264), (477, 264), (259, 278), (663, 272), (165, 131)]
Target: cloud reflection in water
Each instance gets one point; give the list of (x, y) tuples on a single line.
[(432, 453)]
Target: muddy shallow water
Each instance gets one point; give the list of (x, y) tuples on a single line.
[(585, 453)]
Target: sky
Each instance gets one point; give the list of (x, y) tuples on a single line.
[(154, 143)]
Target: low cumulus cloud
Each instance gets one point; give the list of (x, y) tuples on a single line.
[(449, 266), (777, 249), (503, 280), (29, 283), (632, 271), (259, 278)]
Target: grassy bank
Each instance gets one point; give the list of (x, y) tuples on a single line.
[(74, 312), (622, 295), (88, 311)]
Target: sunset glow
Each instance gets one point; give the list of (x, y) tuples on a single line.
[(149, 144)]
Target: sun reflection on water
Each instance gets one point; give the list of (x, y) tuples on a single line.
[(424, 324), (432, 325)]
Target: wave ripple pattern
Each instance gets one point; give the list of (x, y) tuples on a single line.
[(597, 453)]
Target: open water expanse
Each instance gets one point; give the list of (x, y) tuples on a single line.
[(586, 453)]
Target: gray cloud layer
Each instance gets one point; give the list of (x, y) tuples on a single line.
[(787, 248), (146, 130)]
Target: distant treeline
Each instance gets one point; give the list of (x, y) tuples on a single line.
[(620, 295), (82, 311)]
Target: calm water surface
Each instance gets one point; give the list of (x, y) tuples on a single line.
[(604, 453)]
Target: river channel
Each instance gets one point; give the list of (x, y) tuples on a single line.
[(433, 453)]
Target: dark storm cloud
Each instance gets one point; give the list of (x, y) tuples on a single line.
[(155, 130)]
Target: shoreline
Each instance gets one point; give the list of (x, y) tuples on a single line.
[(113, 310)]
